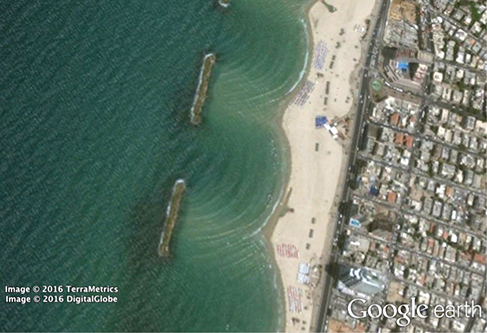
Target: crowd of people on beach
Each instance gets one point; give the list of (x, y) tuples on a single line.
[(287, 251), (320, 55), (294, 296), (303, 95)]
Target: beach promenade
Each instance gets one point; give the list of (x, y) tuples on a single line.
[(303, 236)]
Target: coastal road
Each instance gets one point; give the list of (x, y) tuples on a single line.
[(372, 53)]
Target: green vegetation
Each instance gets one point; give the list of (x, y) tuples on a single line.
[(202, 89), (461, 86), (456, 47), (377, 84), (430, 170), (474, 11), (470, 111), (172, 216)]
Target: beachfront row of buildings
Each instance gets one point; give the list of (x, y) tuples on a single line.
[(414, 223)]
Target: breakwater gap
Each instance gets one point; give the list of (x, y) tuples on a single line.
[(202, 89), (172, 213)]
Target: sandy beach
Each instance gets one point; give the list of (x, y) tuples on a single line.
[(303, 236)]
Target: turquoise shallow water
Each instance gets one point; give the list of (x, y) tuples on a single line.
[(95, 101)]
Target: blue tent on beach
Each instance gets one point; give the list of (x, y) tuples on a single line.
[(320, 121)]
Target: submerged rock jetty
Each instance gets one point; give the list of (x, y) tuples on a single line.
[(224, 3), (171, 217), (202, 90)]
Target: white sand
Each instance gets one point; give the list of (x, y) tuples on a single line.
[(315, 174)]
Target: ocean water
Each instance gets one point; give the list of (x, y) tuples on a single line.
[(94, 108)]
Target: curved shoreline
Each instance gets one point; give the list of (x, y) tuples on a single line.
[(281, 204), (296, 129)]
